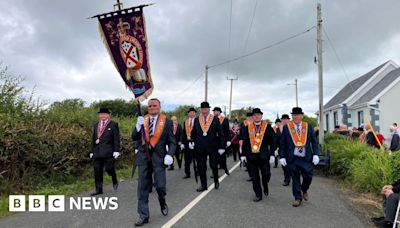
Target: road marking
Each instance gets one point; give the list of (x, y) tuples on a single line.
[(188, 207)]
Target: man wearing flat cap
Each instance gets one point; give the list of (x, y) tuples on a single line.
[(259, 143), (105, 149), (209, 141), (299, 151), (225, 127), (186, 140)]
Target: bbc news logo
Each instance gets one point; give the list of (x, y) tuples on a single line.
[(57, 203)]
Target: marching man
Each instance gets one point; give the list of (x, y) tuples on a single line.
[(259, 143), (152, 157), (186, 140), (244, 124), (299, 151), (105, 149), (209, 140), (225, 127)]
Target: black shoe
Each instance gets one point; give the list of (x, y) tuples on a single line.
[(115, 186), (216, 185), (383, 224), (377, 219), (275, 166), (227, 172), (164, 209), (250, 179), (212, 177), (266, 191), (171, 168), (286, 183), (201, 189), (97, 192), (186, 177), (141, 221), (257, 199)]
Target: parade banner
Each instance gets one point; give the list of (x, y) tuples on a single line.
[(124, 34)]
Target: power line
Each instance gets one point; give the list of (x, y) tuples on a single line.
[(190, 85), (338, 59), (262, 49)]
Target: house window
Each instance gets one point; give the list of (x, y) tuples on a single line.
[(335, 119), (327, 122), (361, 118)]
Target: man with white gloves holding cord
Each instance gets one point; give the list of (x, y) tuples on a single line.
[(153, 157), (299, 151)]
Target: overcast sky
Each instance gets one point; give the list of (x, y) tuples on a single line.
[(54, 46)]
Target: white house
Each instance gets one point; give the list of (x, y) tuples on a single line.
[(375, 94)]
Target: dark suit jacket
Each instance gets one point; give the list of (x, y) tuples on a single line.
[(110, 141), (158, 153), (178, 135), (395, 143), (185, 141), (286, 149), (214, 140), (267, 145), (225, 128)]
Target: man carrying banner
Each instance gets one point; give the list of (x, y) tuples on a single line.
[(105, 149), (225, 127), (152, 156), (186, 140), (259, 143), (299, 151), (209, 141)]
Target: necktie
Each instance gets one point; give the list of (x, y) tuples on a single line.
[(151, 131), (103, 122), (299, 134), (191, 123)]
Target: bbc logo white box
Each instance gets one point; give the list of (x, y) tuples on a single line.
[(16, 203), (37, 203), (56, 203)]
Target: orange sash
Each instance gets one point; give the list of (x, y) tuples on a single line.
[(298, 140), (246, 123), (188, 129), (221, 119), (157, 132), (205, 126), (256, 138)]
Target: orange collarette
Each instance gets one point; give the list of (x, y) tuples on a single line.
[(298, 140), (188, 129), (158, 131), (205, 126), (256, 138)]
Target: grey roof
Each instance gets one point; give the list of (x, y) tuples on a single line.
[(351, 87), (379, 87)]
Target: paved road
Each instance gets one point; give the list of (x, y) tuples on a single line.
[(230, 206)]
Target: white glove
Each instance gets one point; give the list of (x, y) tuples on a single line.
[(283, 161), (228, 143), (168, 160), (221, 151), (139, 123), (136, 151), (315, 159), (191, 145), (276, 153), (91, 155), (166, 147), (182, 146), (240, 150), (243, 159), (271, 160), (116, 155)]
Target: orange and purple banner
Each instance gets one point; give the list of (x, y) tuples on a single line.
[(124, 35)]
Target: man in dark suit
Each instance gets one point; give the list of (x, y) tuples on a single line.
[(259, 143), (186, 140), (225, 127), (209, 140), (299, 151), (178, 138), (284, 120), (105, 149), (243, 125), (152, 157)]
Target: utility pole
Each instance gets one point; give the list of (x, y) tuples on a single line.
[(297, 92), (230, 97), (206, 83), (320, 74)]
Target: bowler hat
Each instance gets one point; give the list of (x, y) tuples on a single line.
[(204, 104), (217, 109), (104, 110), (285, 116), (297, 110), (192, 110), (257, 110)]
